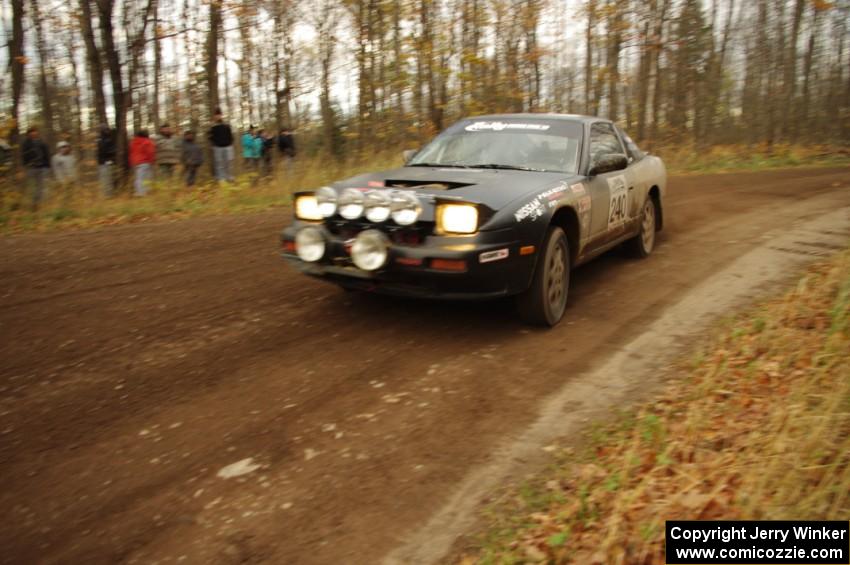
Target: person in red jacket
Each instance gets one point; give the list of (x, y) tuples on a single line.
[(142, 157)]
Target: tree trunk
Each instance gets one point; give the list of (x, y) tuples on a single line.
[(278, 42), (361, 29), (93, 62), (212, 56), (157, 67), (807, 71), (398, 62), (789, 116), (16, 63), (532, 53), (658, 37), (45, 88), (588, 56), (643, 73), (105, 9), (615, 34), (76, 96)]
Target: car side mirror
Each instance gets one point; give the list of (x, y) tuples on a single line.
[(408, 154), (608, 163)]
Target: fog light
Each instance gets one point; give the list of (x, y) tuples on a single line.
[(405, 208), (326, 201), (350, 204), (370, 249), (310, 244), (377, 205)]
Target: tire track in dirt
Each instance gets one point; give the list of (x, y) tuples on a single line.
[(253, 360)]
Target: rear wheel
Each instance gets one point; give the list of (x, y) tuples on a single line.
[(546, 299), (644, 242)]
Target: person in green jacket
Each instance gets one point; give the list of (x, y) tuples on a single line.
[(250, 155)]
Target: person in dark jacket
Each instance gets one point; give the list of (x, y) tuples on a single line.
[(193, 157), (266, 151), (36, 158), (106, 152), (221, 138), (286, 148)]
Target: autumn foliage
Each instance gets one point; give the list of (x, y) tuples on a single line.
[(757, 427)]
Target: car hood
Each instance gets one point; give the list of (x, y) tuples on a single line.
[(494, 188)]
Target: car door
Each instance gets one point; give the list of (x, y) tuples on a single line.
[(640, 182), (611, 192)]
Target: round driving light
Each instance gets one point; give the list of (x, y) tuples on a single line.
[(326, 199), (370, 249), (350, 203), (377, 205), (310, 244), (405, 208)]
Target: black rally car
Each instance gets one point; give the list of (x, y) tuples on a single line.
[(493, 206)]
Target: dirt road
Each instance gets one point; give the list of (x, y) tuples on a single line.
[(137, 363)]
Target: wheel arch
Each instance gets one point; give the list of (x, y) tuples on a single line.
[(655, 194), (566, 218)]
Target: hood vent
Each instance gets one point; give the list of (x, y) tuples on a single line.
[(425, 184)]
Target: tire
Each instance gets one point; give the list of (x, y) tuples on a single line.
[(544, 302), (643, 243)]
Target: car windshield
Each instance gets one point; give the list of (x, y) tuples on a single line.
[(532, 145)]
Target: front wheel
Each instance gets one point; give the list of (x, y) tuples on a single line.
[(644, 242), (545, 300)]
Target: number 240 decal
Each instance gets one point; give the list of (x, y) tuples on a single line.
[(618, 201)]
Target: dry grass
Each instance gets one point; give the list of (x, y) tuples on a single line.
[(758, 427), (684, 159), (84, 207)]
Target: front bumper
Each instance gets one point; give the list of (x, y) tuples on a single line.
[(410, 271)]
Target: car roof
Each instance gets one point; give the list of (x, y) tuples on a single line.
[(539, 116)]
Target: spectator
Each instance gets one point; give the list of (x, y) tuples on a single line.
[(106, 151), (5, 153), (64, 164), (193, 157), (250, 155), (142, 157), (286, 147), (221, 137), (267, 148), (7, 131), (167, 152), (36, 158)]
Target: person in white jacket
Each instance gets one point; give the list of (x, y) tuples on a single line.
[(64, 164)]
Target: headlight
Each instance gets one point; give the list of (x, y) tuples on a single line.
[(310, 244), (405, 208), (326, 201), (457, 218), (377, 204), (351, 204), (369, 251), (306, 207)]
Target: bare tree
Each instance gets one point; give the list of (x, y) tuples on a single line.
[(45, 86), (17, 62), (93, 61)]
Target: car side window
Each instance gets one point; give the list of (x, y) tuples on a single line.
[(634, 152), (603, 141)]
